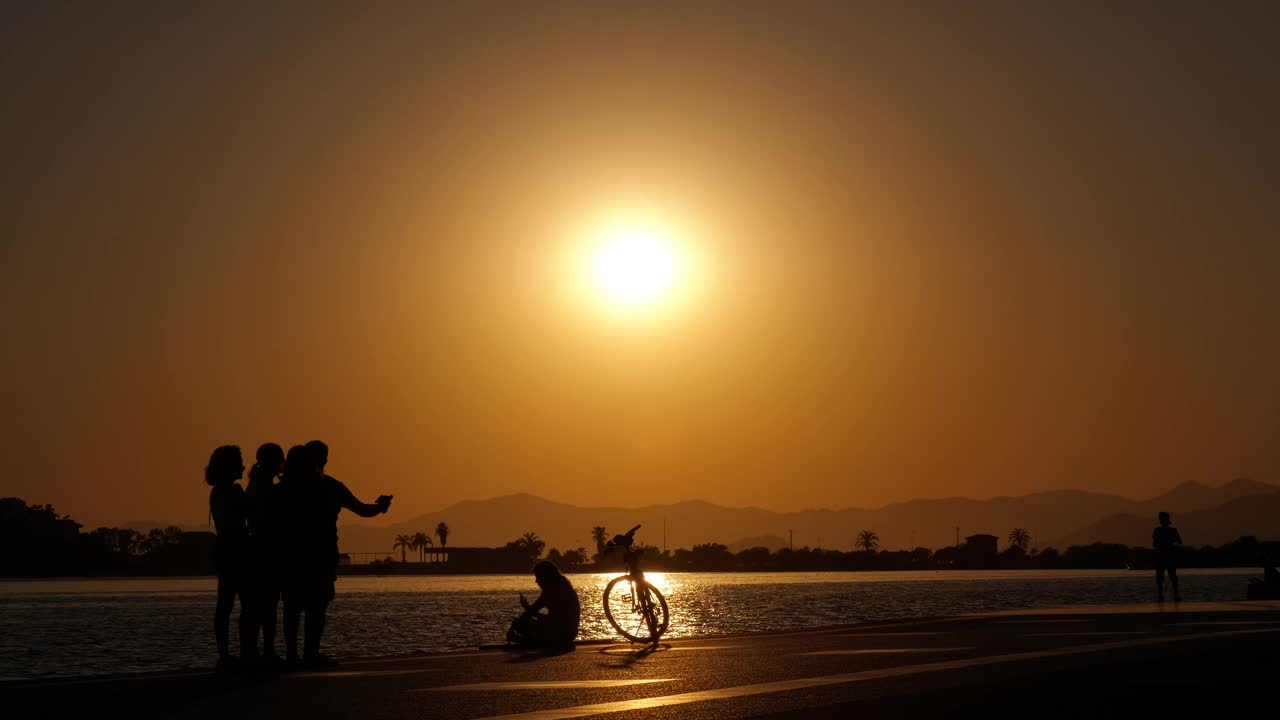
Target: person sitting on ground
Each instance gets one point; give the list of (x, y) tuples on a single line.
[(1166, 540), (559, 626)]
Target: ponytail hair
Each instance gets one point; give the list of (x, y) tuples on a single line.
[(270, 456)]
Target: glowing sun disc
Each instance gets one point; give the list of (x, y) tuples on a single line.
[(634, 264)]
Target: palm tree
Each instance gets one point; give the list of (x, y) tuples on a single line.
[(1020, 538), (421, 541), (867, 540), (403, 542), (600, 535), (532, 544), (442, 532)]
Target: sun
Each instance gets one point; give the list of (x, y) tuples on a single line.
[(635, 264)]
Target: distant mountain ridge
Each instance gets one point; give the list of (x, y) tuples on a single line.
[(1257, 515), (1053, 516)]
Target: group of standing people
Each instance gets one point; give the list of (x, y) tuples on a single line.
[(277, 539)]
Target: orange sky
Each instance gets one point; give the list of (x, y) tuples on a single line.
[(941, 253)]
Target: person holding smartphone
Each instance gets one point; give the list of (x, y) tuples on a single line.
[(313, 502), (559, 626)]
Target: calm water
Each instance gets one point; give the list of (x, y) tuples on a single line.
[(79, 627)]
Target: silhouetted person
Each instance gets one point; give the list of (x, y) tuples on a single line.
[(298, 472), (312, 502), (227, 506), (1166, 541), (265, 546), (559, 626), (1268, 588)]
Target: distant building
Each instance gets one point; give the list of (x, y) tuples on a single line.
[(981, 544)]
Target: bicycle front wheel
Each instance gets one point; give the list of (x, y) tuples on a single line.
[(636, 609)]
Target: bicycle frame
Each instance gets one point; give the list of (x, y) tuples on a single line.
[(635, 576), (642, 601)]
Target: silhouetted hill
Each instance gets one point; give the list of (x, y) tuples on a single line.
[(1257, 515), (493, 522), (933, 523), (1191, 496)]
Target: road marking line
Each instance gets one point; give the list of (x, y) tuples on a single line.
[(890, 634), (1095, 633), (801, 683), (417, 658), (546, 685), (363, 673), (1032, 622), (1232, 622), (881, 651), (648, 651)]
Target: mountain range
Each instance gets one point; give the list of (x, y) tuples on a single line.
[(1207, 515)]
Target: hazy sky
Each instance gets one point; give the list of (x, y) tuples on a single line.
[(929, 249)]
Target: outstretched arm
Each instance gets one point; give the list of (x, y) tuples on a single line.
[(348, 500)]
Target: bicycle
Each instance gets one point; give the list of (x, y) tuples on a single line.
[(634, 607)]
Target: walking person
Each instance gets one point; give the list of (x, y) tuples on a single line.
[(313, 501), (227, 507), (1166, 540)]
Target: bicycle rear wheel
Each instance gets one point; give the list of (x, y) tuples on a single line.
[(636, 609)]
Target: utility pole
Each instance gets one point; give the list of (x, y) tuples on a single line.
[(791, 540), (957, 536), (664, 534), (913, 540)]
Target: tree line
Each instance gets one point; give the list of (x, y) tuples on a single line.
[(37, 541), (419, 542), (1247, 551)]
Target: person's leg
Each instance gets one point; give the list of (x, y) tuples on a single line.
[(248, 622), (270, 605), (524, 631), (222, 617), (1173, 580), (1160, 580), (536, 633), (292, 617), (316, 612)]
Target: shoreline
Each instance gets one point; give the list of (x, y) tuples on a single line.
[(413, 572)]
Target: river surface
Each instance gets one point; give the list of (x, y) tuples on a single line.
[(76, 627)]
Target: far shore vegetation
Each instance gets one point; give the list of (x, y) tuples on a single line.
[(36, 541)]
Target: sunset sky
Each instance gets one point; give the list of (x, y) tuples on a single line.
[(907, 250)]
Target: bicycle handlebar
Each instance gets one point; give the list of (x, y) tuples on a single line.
[(624, 540)]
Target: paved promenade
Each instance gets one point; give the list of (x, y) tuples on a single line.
[(1188, 660)]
